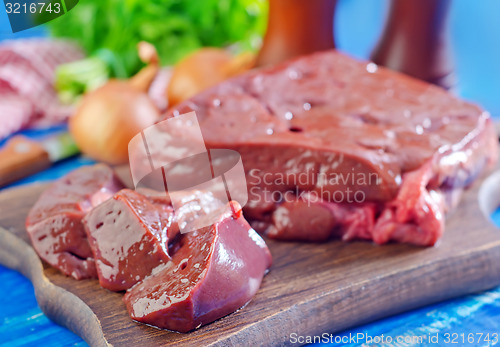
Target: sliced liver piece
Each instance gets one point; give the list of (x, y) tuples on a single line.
[(128, 235), (214, 271), (54, 224)]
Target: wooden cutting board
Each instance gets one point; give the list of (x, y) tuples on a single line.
[(311, 289)]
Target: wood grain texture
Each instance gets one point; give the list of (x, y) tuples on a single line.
[(311, 289)]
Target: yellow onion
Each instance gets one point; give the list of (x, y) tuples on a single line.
[(110, 116), (202, 69)]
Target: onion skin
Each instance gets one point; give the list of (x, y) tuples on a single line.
[(202, 69), (108, 118)]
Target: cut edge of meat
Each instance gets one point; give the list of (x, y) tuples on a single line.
[(431, 128)]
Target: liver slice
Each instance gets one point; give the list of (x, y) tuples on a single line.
[(54, 224), (327, 115), (213, 272), (129, 237)]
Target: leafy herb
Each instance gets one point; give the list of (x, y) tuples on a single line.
[(111, 29)]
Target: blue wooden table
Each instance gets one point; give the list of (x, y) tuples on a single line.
[(476, 38)]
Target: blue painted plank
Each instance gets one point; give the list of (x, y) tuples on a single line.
[(22, 323)]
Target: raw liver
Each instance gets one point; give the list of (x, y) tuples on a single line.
[(327, 115), (87, 226), (214, 271), (129, 237), (54, 224)]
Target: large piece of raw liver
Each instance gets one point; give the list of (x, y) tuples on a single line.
[(379, 155)]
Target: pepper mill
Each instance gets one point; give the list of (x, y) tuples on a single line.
[(297, 27), (416, 41)]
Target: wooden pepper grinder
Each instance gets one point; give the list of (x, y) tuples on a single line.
[(297, 27), (416, 42)]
